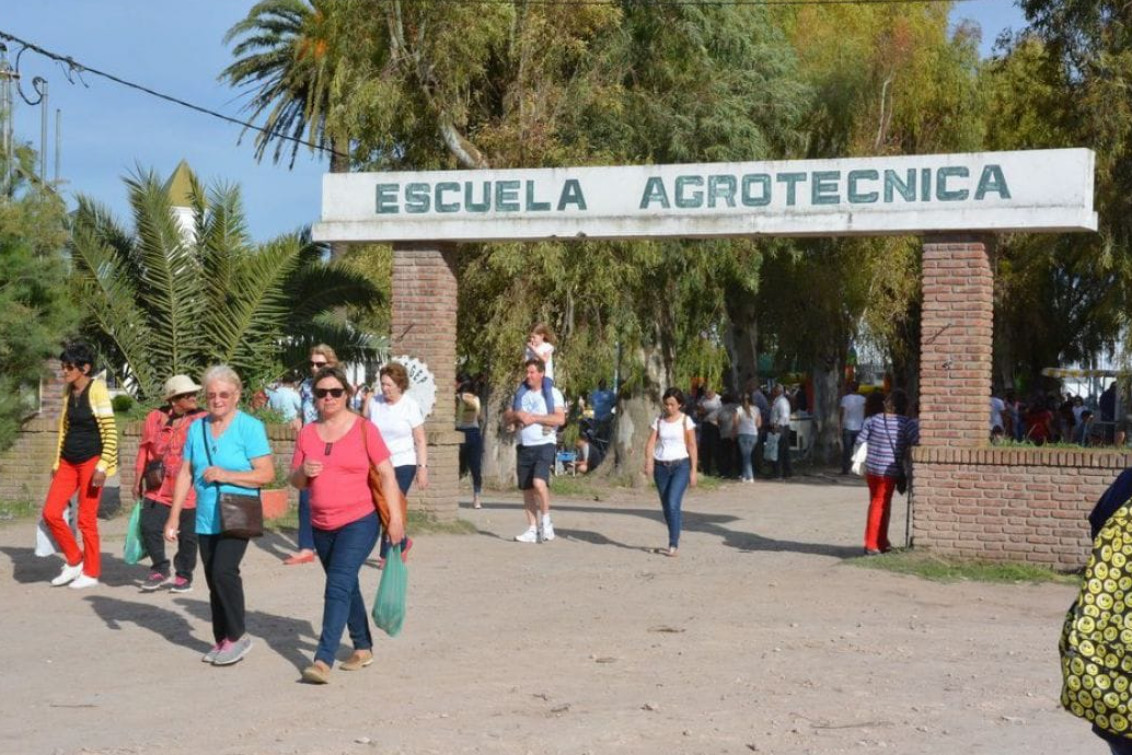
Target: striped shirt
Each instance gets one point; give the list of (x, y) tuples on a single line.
[(889, 436)]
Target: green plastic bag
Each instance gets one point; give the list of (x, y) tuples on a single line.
[(389, 604), (134, 551)]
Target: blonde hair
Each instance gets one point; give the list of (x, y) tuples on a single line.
[(224, 374), (544, 330), (326, 351)]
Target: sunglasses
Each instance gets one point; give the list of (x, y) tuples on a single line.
[(183, 396), (222, 395), (324, 392), (318, 364), (68, 366)]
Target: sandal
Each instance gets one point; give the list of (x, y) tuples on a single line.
[(359, 660)]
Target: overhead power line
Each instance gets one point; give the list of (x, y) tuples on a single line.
[(73, 66)]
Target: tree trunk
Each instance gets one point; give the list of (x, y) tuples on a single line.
[(498, 444), (635, 415), (741, 340), (826, 375)]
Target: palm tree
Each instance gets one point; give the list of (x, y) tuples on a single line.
[(166, 299), (287, 59)]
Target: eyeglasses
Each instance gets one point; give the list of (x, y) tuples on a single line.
[(222, 395), (67, 366), (318, 364), (184, 396), (324, 392)]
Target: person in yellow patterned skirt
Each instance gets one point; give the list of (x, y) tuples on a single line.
[(1096, 640)]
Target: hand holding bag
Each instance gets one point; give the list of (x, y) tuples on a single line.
[(240, 515), (389, 603), (770, 446)]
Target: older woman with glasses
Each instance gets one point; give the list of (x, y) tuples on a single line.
[(333, 456), (227, 453), (86, 455), (158, 463)]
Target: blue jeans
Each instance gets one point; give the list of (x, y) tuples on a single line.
[(671, 480), (306, 538), (746, 448), (405, 473), (342, 553)]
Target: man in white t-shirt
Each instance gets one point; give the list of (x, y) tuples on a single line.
[(535, 452), (997, 407), (851, 419)]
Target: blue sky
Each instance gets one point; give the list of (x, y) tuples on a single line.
[(176, 48)]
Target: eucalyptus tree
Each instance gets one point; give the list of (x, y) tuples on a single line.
[(165, 298)]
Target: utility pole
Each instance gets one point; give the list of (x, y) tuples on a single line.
[(7, 122), (40, 85)]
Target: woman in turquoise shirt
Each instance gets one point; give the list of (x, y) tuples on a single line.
[(226, 452)]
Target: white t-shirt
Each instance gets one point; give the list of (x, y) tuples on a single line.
[(396, 423), (710, 408), (545, 352), (670, 445), (748, 424), (780, 412), (854, 406), (533, 403), (997, 406)]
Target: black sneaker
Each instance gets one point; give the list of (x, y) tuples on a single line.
[(180, 584), (156, 581)]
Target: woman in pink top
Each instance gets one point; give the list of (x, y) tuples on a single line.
[(332, 458)]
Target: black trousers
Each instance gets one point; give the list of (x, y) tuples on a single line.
[(153, 518), (221, 557), (709, 447)]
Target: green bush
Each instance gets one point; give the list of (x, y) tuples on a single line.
[(122, 403)]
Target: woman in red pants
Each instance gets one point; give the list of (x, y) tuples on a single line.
[(889, 435), (87, 454)]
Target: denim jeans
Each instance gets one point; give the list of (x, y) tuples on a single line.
[(848, 440), (471, 456), (746, 448), (671, 481), (342, 553), (405, 473), (306, 539)]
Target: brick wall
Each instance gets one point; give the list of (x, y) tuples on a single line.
[(25, 468), (1010, 504), (424, 326), (971, 499)]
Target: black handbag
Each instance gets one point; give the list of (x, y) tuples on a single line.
[(154, 475), (240, 515)]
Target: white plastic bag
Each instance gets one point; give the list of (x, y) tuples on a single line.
[(859, 456), (45, 544)]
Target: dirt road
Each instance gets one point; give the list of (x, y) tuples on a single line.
[(760, 637)]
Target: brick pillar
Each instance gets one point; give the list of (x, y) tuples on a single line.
[(424, 326), (956, 340)]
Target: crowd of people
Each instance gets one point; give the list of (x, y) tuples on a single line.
[(198, 470), (1059, 418)]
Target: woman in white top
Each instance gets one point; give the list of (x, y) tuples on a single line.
[(748, 420), (401, 422), (670, 457)]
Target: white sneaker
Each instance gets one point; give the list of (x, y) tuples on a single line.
[(547, 531), (68, 574), (530, 536), (84, 581)]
